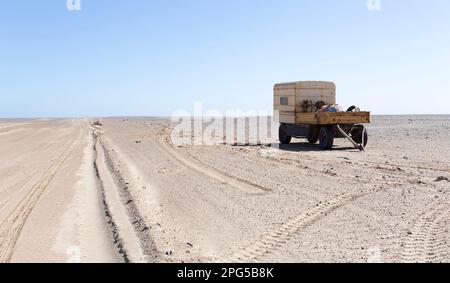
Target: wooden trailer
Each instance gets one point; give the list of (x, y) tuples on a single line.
[(308, 110)]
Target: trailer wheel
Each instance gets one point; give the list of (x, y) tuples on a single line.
[(357, 136), (283, 136), (326, 137)]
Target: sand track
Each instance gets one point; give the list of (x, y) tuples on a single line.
[(125, 239), (130, 232), (211, 172), (11, 191), (12, 226), (275, 238), (429, 239)]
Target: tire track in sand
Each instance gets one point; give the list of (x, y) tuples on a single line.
[(10, 229), (8, 185), (123, 233), (205, 169), (428, 241), (10, 189), (275, 238)]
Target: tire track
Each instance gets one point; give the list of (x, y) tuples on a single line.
[(12, 226), (274, 239), (123, 232), (205, 169), (7, 186), (12, 131), (131, 221), (428, 241), (11, 190)]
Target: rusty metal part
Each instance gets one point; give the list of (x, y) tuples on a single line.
[(355, 144)]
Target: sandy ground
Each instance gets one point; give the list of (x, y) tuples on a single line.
[(70, 191), (50, 210)]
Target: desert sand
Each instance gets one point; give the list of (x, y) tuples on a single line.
[(71, 191)]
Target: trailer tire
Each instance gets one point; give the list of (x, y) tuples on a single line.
[(357, 137), (326, 137), (283, 136)]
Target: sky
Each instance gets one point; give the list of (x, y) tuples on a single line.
[(154, 57)]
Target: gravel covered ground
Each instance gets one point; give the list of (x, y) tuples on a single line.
[(122, 191), (296, 203)]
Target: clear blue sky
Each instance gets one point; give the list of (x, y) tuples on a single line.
[(146, 58)]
